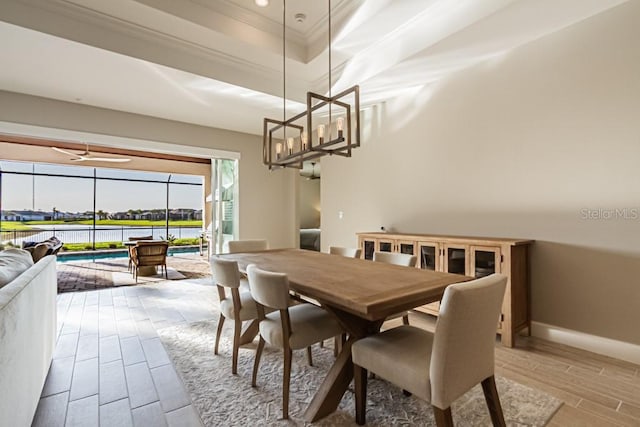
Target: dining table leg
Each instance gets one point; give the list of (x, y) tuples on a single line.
[(250, 332), (337, 380)]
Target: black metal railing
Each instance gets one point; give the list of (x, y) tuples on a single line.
[(102, 233)]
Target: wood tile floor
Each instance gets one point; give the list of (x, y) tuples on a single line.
[(597, 391), (110, 368)]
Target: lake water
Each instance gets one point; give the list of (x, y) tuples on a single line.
[(74, 233)]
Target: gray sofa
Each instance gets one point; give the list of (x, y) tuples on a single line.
[(27, 337), (310, 239)]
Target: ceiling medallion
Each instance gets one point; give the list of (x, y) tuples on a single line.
[(329, 125)]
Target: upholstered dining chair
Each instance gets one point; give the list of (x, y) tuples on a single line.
[(439, 367), (395, 258), (338, 342), (250, 245), (149, 253), (235, 304), (290, 327), (346, 252)]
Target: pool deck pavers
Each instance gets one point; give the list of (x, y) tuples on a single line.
[(85, 275)]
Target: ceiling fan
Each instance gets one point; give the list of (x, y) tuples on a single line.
[(310, 170), (87, 156)]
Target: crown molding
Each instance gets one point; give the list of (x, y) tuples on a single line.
[(253, 19), (340, 12), (65, 19)]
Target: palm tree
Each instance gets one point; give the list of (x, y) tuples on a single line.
[(101, 214), (55, 211)]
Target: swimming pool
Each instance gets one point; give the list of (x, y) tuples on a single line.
[(118, 253)]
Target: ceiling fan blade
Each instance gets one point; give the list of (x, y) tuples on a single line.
[(107, 159), (68, 153), (86, 156)]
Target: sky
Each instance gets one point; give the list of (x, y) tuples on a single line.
[(76, 194)]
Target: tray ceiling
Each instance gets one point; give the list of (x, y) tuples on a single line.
[(219, 63)]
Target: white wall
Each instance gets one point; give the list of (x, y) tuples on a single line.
[(518, 147), (267, 200)]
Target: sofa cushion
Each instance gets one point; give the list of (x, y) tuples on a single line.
[(13, 262), (38, 250)]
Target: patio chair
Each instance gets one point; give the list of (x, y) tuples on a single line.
[(149, 253), (135, 239)]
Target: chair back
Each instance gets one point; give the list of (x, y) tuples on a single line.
[(465, 336), (247, 245), (406, 260), (150, 253), (135, 239), (268, 288), (346, 252), (225, 272)]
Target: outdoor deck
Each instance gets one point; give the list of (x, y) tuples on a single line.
[(106, 273)]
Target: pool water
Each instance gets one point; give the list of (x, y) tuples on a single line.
[(114, 254)]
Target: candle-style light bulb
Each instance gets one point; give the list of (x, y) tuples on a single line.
[(339, 125), (290, 145), (278, 150), (321, 133), (303, 140)]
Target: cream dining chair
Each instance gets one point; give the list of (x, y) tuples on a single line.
[(235, 304), (395, 258), (290, 327), (439, 367), (346, 252), (249, 245)]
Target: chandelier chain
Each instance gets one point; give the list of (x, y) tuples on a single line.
[(330, 83), (284, 64)]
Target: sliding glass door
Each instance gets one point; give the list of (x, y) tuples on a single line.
[(224, 206)]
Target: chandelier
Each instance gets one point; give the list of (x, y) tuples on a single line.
[(329, 125)]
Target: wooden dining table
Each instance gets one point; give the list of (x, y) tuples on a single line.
[(360, 293)]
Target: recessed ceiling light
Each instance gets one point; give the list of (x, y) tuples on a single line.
[(261, 3)]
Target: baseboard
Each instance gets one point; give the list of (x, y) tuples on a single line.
[(605, 346)]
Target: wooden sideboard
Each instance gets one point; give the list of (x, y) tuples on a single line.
[(471, 256)]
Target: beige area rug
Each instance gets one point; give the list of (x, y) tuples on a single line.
[(223, 399), (126, 279)]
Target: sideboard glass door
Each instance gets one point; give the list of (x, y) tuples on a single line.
[(484, 261), (429, 256), (455, 258), (368, 248), (385, 245)]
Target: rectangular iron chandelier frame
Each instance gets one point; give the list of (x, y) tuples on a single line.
[(309, 150)]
